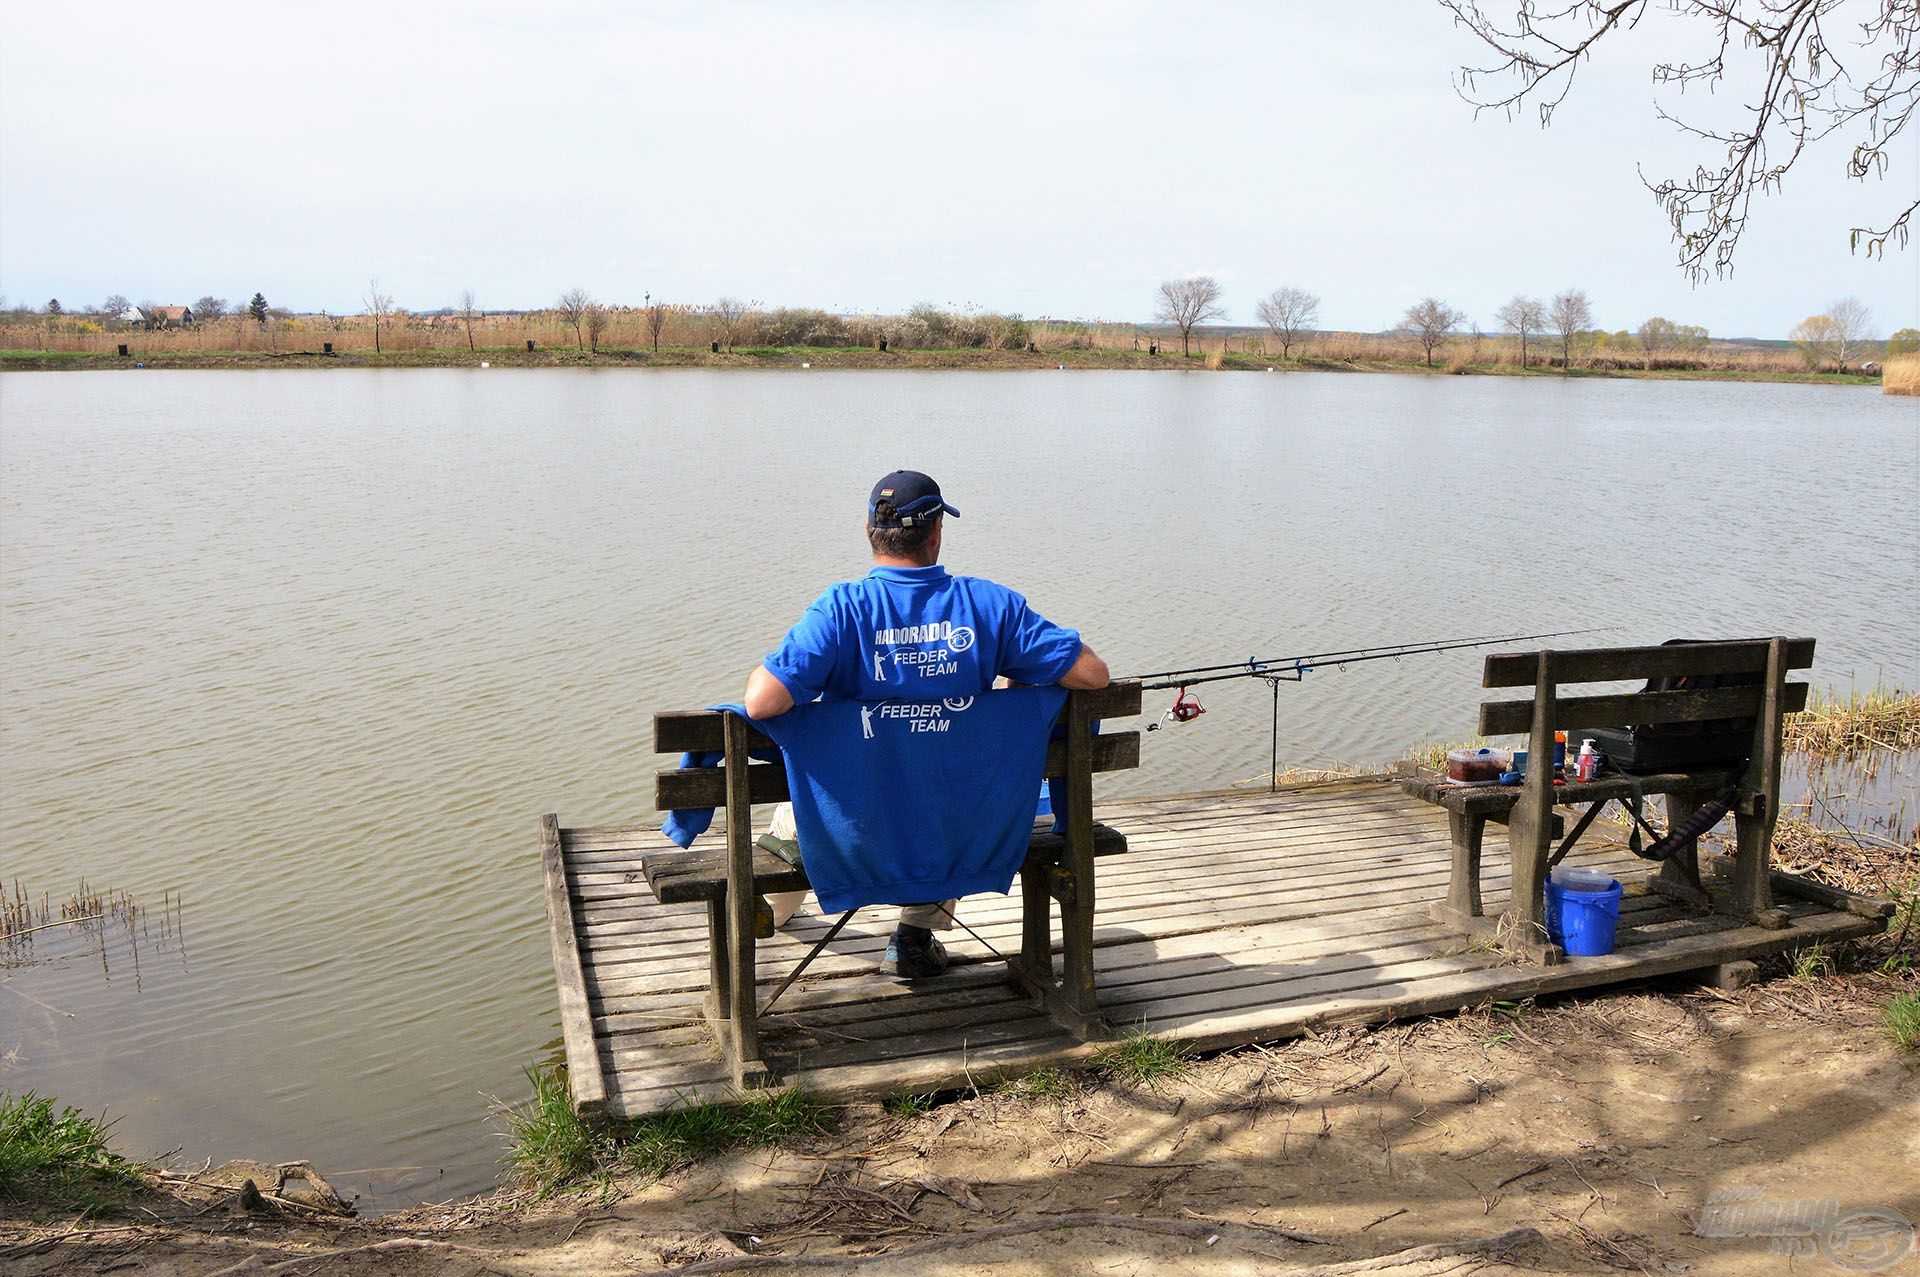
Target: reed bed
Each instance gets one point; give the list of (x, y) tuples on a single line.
[(1854, 725), (1901, 376)]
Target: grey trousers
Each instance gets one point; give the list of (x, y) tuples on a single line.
[(934, 917)]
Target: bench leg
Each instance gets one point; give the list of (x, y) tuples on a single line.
[(719, 1003), (1462, 904), (1678, 878), (1750, 894), (1079, 1012), (1034, 966)]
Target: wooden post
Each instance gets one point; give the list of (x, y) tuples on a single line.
[(1752, 894), (743, 1041), (1531, 824), (584, 1080), (1076, 914)]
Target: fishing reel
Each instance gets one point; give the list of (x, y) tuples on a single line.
[(1186, 708)]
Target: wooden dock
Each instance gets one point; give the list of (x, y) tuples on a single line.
[(1233, 918)]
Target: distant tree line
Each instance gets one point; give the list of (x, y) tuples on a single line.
[(1557, 331)]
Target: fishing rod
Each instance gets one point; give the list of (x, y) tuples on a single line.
[(1290, 667), (1294, 669)]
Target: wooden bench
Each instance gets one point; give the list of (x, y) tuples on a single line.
[(1528, 809), (732, 880)]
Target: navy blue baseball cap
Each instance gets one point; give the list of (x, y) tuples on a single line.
[(915, 497)]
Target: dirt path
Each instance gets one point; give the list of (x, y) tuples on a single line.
[(1610, 1125)]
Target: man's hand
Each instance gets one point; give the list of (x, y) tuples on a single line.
[(768, 697), (1089, 672)]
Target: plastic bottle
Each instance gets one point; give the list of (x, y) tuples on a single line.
[(1589, 761), (1559, 752)]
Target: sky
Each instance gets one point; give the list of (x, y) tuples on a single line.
[(1054, 160)]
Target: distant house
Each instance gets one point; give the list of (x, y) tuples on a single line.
[(171, 317), (132, 315)]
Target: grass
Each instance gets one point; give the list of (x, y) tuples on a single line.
[(1901, 1020), (1142, 1059), (59, 1157), (1812, 963), (909, 1105), (1041, 1084), (551, 1148), (549, 1145)]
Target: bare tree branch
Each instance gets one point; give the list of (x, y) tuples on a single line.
[(1804, 88)]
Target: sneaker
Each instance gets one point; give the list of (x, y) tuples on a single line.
[(914, 954)]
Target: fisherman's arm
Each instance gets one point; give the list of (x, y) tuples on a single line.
[(767, 696), (1089, 672), (797, 671)]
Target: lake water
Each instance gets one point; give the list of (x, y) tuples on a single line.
[(314, 650)]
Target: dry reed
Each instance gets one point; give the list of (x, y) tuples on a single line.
[(1901, 376), (1834, 727)]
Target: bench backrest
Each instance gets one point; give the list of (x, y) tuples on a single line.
[(1547, 672), (701, 731)]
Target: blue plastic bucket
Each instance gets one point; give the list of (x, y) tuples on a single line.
[(1583, 922)]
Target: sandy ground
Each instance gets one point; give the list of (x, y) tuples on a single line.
[(1617, 1128)]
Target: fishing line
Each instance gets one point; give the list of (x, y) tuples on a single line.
[(1294, 669)]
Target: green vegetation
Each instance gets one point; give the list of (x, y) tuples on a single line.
[(59, 1157), (551, 1148), (1812, 963), (1041, 1084), (1142, 1059), (1901, 1019), (909, 1104)]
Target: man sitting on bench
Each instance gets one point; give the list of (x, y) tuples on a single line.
[(909, 630)]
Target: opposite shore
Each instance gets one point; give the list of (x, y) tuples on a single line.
[(843, 357)]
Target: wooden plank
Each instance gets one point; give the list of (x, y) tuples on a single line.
[(1685, 953), (1624, 709), (677, 788), (1287, 912), (972, 1062), (698, 731), (701, 874), (1230, 903), (850, 1004), (576, 1024), (1603, 664)]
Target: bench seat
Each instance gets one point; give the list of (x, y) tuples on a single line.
[(678, 877), (1495, 801)]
